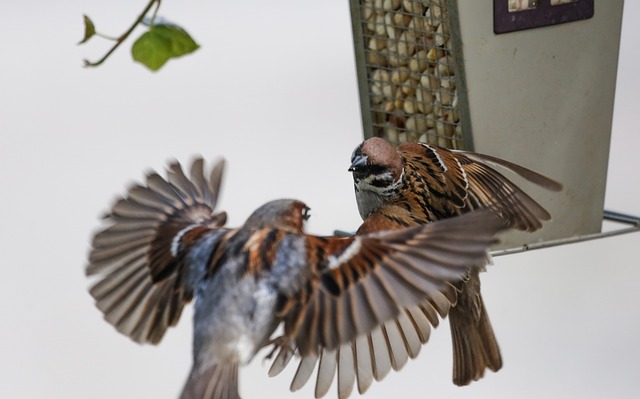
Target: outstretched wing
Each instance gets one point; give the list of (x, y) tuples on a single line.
[(362, 282), (370, 356), (460, 181), (528, 174), (489, 188), (137, 256)]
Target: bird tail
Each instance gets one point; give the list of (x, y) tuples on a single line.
[(215, 382), (475, 347)]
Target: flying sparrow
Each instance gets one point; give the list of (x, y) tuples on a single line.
[(412, 185), (163, 244)]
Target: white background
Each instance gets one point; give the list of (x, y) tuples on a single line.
[(273, 90)]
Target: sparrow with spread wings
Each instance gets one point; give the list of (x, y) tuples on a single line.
[(163, 244), (412, 185)]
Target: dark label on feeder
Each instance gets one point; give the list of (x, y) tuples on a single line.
[(515, 15)]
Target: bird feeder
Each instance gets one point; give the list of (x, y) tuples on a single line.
[(532, 82)]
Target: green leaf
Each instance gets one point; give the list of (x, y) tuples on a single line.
[(161, 43), (89, 29)]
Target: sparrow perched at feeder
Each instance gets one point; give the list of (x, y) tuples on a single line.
[(417, 183), (163, 244), (409, 186)]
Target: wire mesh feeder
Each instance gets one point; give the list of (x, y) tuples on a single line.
[(406, 69), (514, 94)]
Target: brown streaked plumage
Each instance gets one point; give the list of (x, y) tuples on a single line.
[(163, 244), (412, 185), (433, 183)]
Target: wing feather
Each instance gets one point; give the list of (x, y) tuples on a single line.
[(395, 343), (304, 372), (528, 174), (150, 198), (383, 292), (190, 194), (326, 371), (281, 361), (409, 333), (380, 351), (388, 272), (364, 363), (346, 370), (456, 182), (137, 258)]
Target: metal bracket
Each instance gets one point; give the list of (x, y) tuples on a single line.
[(633, 223)]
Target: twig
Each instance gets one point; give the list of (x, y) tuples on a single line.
[(125, 35)]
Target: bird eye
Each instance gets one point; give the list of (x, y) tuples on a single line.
[(369, 169), (305, 213)]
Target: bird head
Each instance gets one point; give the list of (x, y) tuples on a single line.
[(377, 173), (284, 214), (376, 160)]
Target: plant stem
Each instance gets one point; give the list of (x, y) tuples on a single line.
[(155, 13), (113, 39), (125, 35)]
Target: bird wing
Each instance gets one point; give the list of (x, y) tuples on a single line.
[(137, 256), (530, 175), (489, 188), (368, 357), (438, 174), (466, 181), (365, 281)]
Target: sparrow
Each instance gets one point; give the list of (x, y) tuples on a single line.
[(163, 243), (419, 183), (411, 185)]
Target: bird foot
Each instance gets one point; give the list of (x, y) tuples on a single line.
[(280, 344)]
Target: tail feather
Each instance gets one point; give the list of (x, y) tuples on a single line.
[(215, 382), (475, 347)]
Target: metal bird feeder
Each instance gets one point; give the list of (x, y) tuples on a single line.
[(530, 81)]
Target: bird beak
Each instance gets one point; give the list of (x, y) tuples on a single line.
[(357, 161), (306, 213)]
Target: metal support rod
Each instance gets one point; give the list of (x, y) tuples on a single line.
[(634, 221), (621, 218)]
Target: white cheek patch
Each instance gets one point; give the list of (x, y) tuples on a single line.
[(367, 183)]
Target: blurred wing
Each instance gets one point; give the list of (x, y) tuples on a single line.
[(369, 280), (370, 356), (137, 257)]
